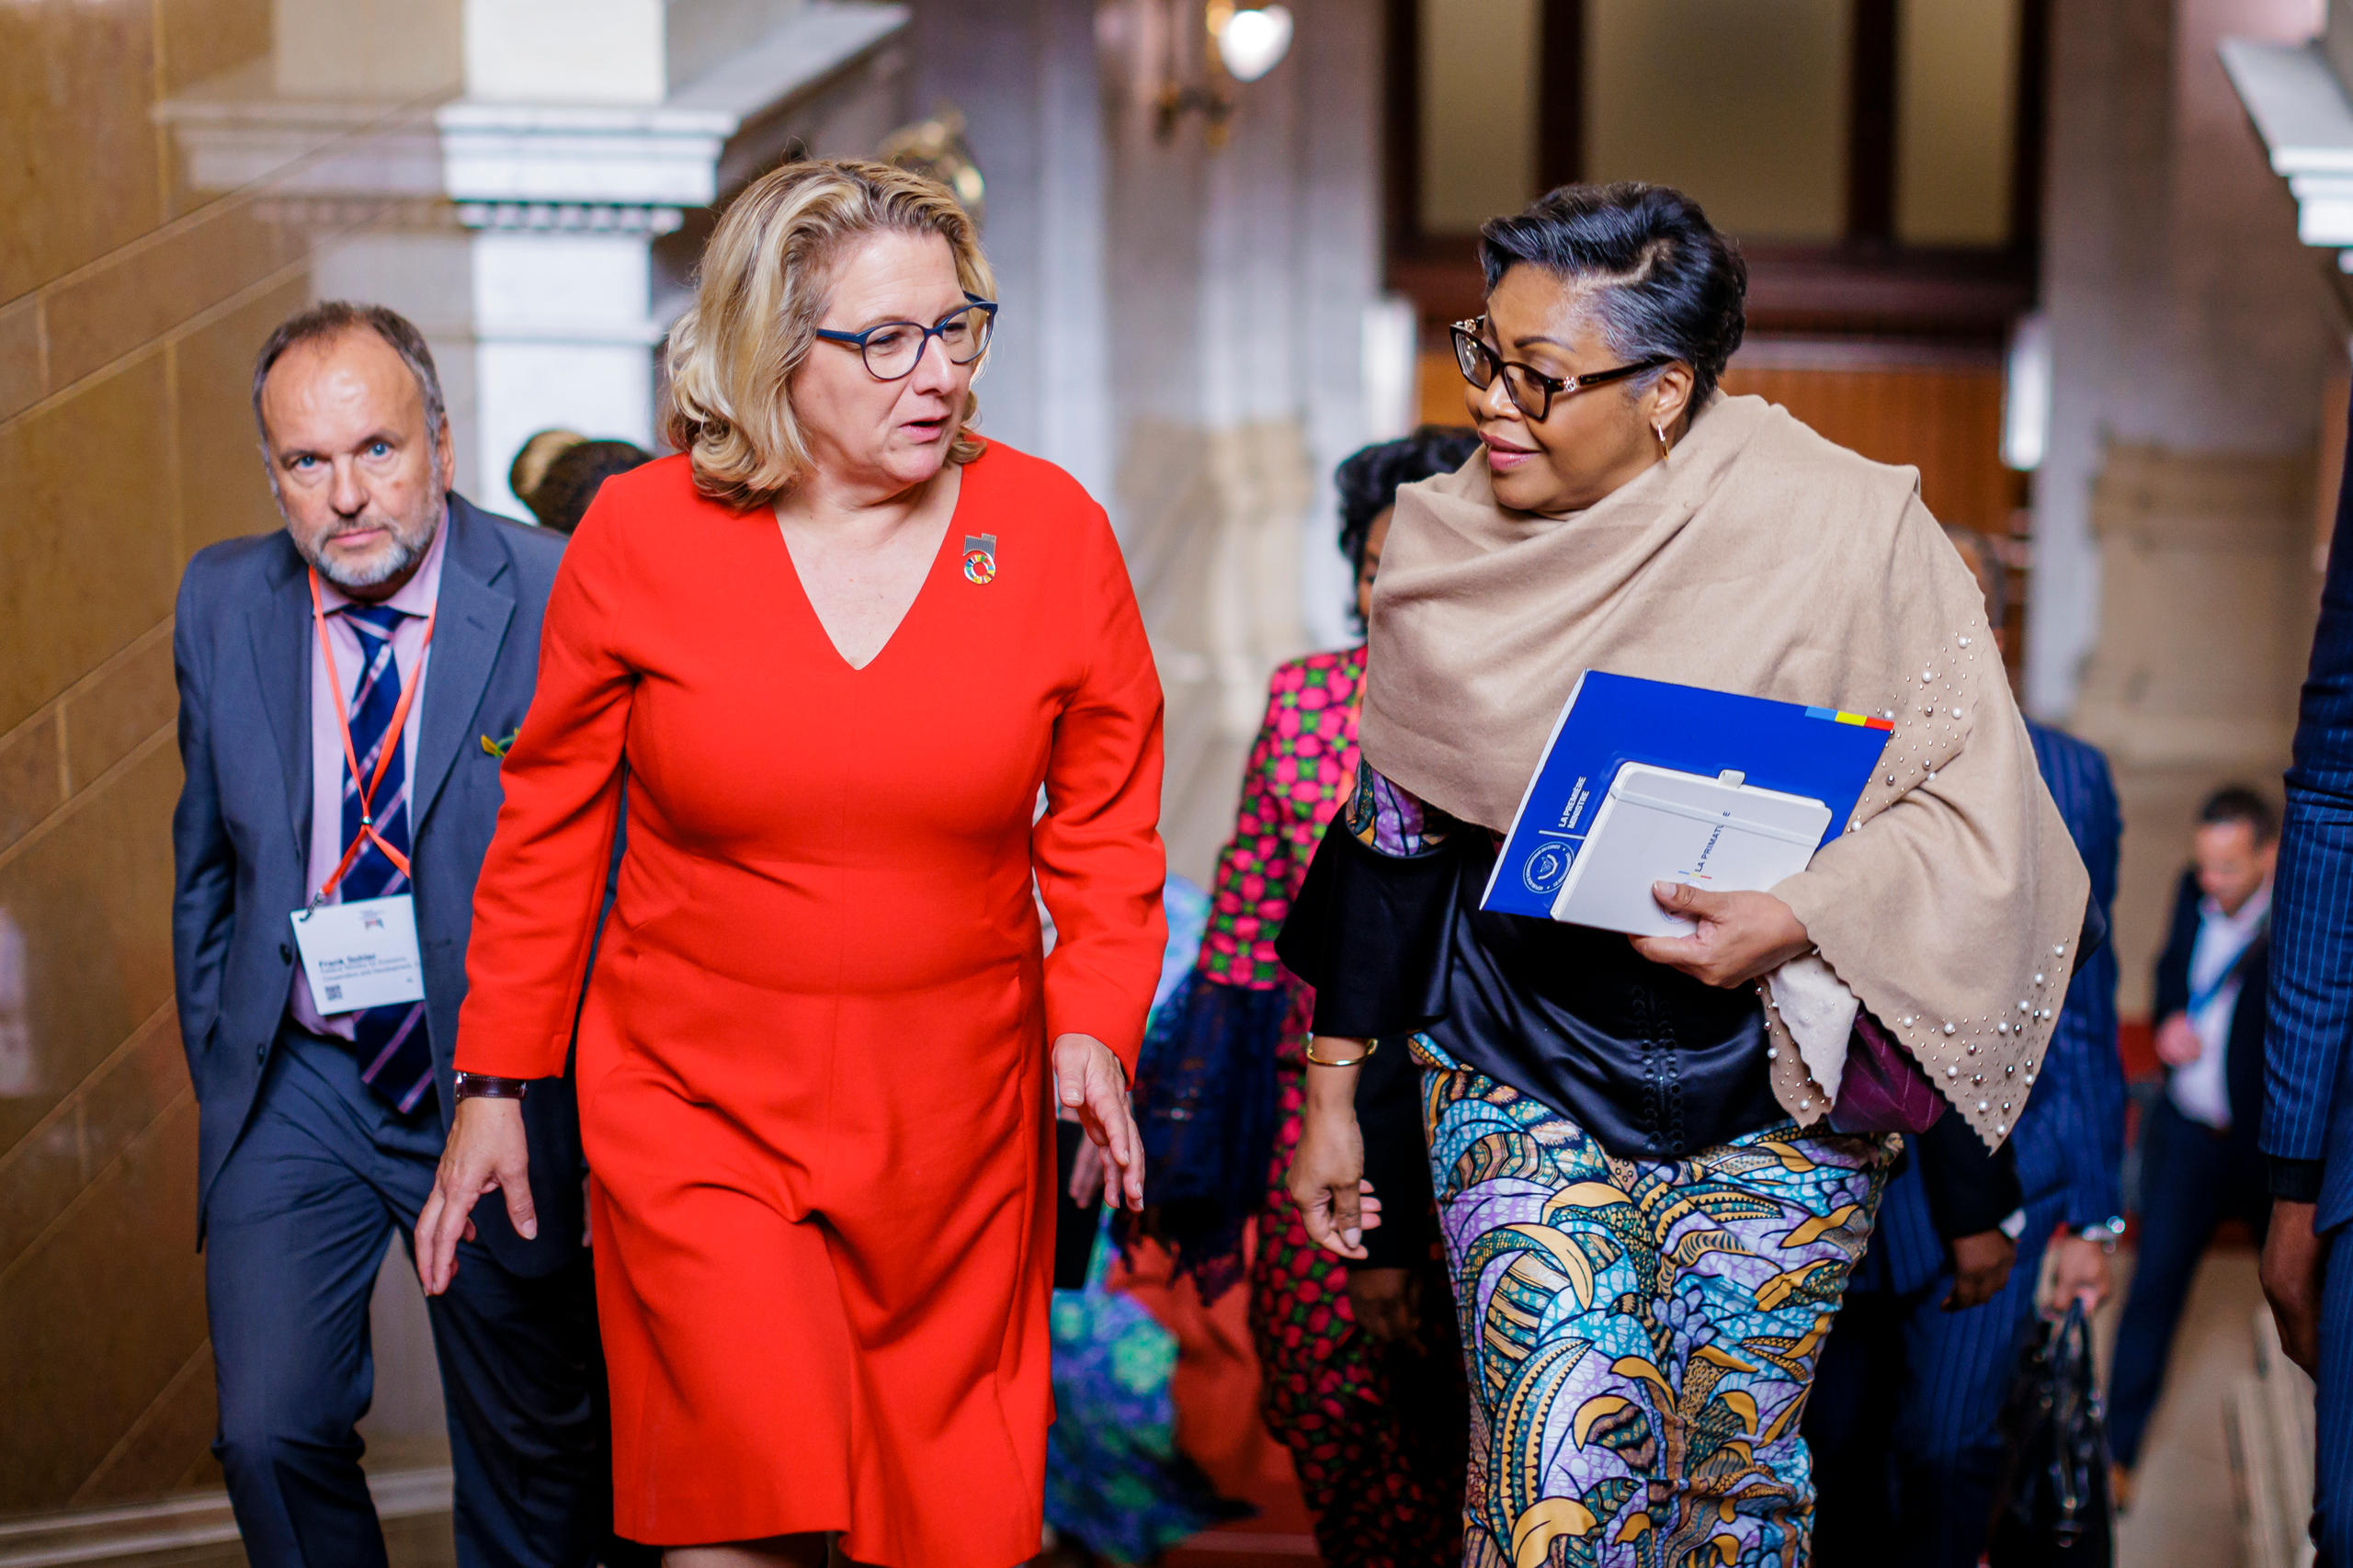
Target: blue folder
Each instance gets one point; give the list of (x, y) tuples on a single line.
[(1612, 720)]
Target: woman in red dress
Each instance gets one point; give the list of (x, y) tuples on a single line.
[(838, 647)]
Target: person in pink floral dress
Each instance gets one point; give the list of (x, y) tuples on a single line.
[(1360, 1383)]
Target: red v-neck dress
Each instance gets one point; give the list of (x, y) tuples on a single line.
[(812, 1060)]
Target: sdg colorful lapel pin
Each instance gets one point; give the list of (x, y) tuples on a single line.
[(980, 558)]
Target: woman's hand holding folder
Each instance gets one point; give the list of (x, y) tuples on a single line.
[(1741, 936)]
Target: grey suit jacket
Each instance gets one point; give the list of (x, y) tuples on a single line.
[(241, 833)]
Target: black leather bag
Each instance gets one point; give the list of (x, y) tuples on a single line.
[(2055, 1510)]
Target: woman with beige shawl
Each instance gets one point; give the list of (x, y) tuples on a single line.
[(1658, 1160)]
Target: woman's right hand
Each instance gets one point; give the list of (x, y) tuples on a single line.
[(486, 1150), (1326, 1179)]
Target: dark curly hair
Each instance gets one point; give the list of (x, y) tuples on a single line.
[(1670, 285), (1369, 481), (561, 499)]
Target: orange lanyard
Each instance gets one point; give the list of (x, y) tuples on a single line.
[(368, 786)]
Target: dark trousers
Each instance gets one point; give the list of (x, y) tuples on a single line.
[(298, 1222), (1904, 1418), (2192, 1179)]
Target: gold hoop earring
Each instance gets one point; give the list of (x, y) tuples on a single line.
[(1665, 451)]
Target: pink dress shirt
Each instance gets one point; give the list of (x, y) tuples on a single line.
[(329, 700)]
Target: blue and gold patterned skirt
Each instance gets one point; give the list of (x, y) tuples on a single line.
[(1641, 1336)]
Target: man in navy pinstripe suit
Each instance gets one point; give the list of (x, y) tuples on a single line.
[(2308, 1107), (1923, 1350)]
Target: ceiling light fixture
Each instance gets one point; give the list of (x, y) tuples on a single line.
[(1245, 42), (1251, 39)]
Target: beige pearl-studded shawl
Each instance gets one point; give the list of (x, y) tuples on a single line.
[(1760, 558)]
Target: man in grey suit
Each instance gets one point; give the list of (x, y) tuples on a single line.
[(346, 686)]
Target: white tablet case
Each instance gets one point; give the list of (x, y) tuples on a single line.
[(1660, 824)]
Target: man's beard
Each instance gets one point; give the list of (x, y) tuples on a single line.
[(407, 547)]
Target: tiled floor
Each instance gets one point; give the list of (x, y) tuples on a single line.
[(1247, 1549), (2184, 1513), (418, 1540)]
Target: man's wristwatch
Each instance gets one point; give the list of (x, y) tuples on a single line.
[(2104, 1235), (481, 1087)]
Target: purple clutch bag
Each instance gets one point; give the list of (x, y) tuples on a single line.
[(1883, 1089)]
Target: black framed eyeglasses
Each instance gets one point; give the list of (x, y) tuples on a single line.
[(893, 349), (1530, 389)]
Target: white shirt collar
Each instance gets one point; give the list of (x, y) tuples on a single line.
[(2250, 914)]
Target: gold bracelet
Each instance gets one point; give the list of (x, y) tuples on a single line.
[(1309, 1050)]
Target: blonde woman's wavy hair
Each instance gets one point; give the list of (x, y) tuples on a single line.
[(765, 278)]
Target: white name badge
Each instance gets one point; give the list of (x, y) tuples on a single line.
[(362, 954)]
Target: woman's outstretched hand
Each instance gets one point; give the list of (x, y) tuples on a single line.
[(1090, 1083), (1741, 935), (486, 1152)]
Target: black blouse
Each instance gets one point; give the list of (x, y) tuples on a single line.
[(1387, 927)]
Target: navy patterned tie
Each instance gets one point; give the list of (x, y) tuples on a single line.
[(395, 1053)]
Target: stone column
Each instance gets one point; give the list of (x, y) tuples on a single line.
[(1240, 277)]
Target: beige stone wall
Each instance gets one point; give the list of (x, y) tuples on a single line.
[(2208, 595), (2173, 592), (1238, 275), (1211, 526), (129, 309)]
